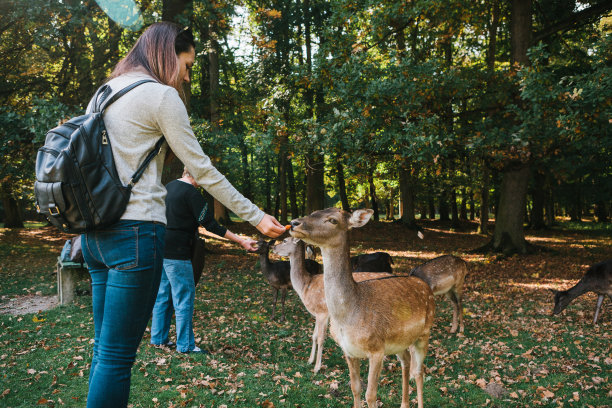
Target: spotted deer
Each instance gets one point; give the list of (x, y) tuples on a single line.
[(445, 275), (371, 318), (310, 289)]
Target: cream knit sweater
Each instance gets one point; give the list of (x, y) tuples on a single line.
[(135, 122)]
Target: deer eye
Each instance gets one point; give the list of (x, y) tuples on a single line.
[(333, 221)]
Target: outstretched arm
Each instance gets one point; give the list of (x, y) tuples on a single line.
[(246, 242)]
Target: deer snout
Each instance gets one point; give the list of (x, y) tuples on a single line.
[(295, 223)]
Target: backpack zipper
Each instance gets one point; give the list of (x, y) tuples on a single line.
[(104, 138), (47, 150)]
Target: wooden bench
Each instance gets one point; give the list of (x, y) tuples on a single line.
[(68, 274)]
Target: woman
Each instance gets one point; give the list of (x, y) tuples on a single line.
[(125, 260)]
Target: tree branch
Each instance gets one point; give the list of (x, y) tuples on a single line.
[(576, 20)]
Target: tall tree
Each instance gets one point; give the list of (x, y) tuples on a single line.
[(509, 236)]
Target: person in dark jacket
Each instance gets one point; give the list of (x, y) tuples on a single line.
[(186, 210)]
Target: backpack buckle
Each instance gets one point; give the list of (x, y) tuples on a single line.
[(54, 213)]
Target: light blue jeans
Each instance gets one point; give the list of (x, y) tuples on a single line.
[(176, 290), (125, 263)]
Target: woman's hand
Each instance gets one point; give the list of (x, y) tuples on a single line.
[(270, 226), (248, 244)]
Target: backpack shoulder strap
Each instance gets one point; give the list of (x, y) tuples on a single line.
[(103, 103)]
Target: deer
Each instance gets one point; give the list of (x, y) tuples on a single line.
[(376, 261), (372, 318), (277, 274), (445, 275), (598, 279), (310, 289)]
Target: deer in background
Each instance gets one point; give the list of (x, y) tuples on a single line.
[(374, 262), (277, 274), (310, 289), (372, 318), (598, 279), (445, 275)]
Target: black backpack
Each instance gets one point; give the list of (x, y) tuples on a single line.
[(77, 186)]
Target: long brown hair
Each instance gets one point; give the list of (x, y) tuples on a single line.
[(155, 52)]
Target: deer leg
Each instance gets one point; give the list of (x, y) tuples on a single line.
[(459, 294), (320, 340), (313, 351), (404, 358), (284, 295), (274, 304), (600, 299), (457, 315), (373, 376), (417, 353), (353, 365)]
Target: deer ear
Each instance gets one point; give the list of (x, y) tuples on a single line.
[(359, 218)]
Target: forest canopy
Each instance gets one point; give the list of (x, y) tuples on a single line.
[(418, 109)]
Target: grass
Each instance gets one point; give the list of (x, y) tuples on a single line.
[(510, 337)]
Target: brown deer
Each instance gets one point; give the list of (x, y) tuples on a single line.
[(598, 279), (373, 318), (446, 275), (310, 289)]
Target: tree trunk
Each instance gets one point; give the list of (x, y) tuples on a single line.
[(292, 190), (538, 194), (12, 215), (407, 196), (373, 199), (601, 211), (315, 166), (268, 186), (575, 211), (443, 206), (431, 203), (315, 191), (454, 209), (341, 184), (509, 236), (246, 171), (463, 210), (483, 227), (282, 186), (472, 206)]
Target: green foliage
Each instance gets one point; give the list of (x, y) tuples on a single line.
[(383, 86)]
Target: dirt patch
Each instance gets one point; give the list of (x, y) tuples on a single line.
[(27, 304)]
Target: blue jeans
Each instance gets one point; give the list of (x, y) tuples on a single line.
[(125, 263), (176, 290)]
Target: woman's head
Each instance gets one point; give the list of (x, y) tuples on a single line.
[(158, 51)]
